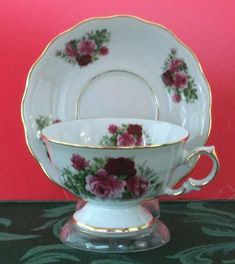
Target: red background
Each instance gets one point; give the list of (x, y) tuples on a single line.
[(207, 27)]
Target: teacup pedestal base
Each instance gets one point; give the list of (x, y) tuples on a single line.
[(114, 229)]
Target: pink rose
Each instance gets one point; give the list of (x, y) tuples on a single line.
[(126, 139), (78, 162), (105, 186), (180, 80), (176, 65), (113, 129), (86, 47), (137, 185), (176, 98)]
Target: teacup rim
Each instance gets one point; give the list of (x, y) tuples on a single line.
[(86, 146)]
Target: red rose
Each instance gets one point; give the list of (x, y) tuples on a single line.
[(167, 78), (84, 60), (137, 185), (56, 121), (176, 98), (78, 162), (113, 129), (120, 166), (104, 51), (71, 49), (135, 130), (177, 65)]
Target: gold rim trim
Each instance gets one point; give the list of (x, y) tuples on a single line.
[(46, 139), (113, 230), (103, 18), (84, 88)]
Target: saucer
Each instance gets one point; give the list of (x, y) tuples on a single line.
[(118, 66)]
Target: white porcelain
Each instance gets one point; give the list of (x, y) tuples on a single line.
[(124, 74), (110, 216), (114, 164)]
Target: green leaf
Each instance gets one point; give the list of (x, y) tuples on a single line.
[(42, 122), (203, 254), (58, 226), (76, 182), (45, 226), (52, 258), (105, 141), (58, 211), (99, 36), (190, 93), (100, 162), (140, 169), (122, 177), (49, 254), (9, 236), (58, 53), (202, 208), (127, 195), (5, 221), (218, 232), (114, 261)]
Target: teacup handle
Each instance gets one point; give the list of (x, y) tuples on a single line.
[(192, 184)]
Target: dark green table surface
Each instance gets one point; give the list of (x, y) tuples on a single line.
[(201, 232)]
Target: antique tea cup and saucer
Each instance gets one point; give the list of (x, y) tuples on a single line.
[(114, 165), (126, 113)]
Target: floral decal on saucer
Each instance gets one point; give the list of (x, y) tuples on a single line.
[(87, 49), (42, 122), (113, 178), (125, 135), (176, 78)]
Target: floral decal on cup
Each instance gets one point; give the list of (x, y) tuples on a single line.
[(87, 49), (125, 135), (176, 78), (111, 178)]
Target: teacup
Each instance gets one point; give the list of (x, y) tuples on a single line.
[(114, 164)]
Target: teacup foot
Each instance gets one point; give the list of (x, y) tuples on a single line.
[(152, 237)]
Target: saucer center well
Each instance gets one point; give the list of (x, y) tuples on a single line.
[(117, 93)]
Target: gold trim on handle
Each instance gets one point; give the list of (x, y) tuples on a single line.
[(193, 184)]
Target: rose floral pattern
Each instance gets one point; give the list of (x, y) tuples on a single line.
[(125, 135), (87, 49), (42, 122), (110, 178), (177, 79)]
